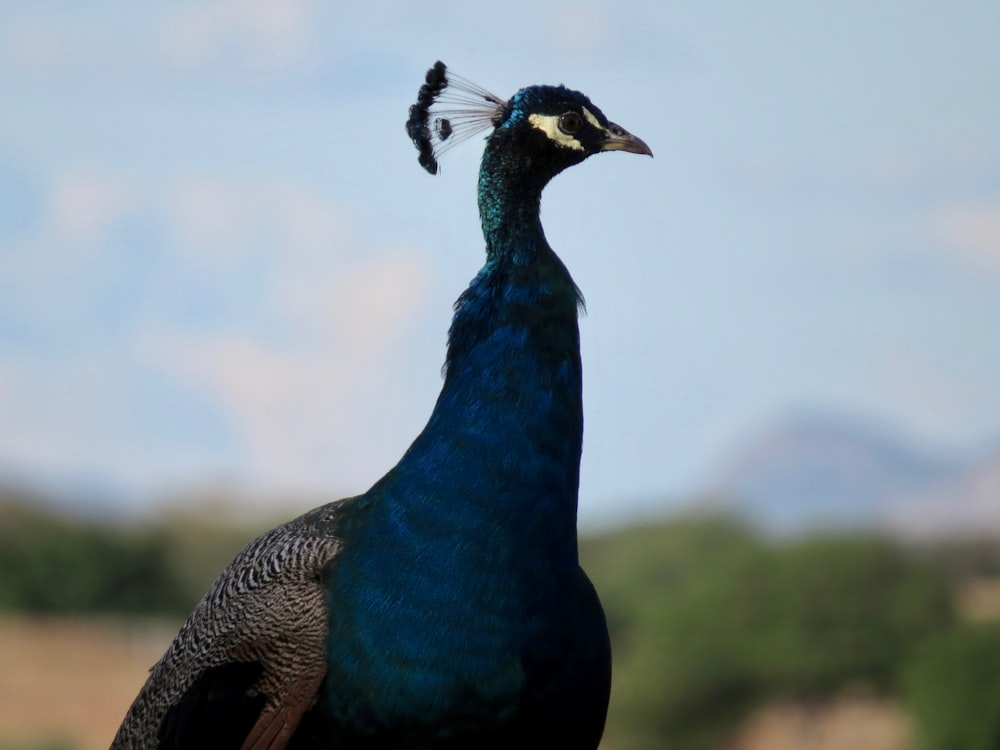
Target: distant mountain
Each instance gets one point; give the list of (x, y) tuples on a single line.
[(966, 502), (826, 471)]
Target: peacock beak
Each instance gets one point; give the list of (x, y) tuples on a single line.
[(619, 139)]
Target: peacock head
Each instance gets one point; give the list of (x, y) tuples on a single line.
[(561, 125)]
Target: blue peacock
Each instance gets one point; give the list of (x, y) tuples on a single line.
[(445, 607)]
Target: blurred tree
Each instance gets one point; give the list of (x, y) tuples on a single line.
[(54, 565), (708, 621), (952, 689), (52, 562)]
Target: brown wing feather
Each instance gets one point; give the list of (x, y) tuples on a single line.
[(267, 608), (277, 724)]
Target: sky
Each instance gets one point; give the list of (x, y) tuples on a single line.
[(222, 266)]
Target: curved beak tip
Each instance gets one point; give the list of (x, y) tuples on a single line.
[(642, 148), (620, 139)]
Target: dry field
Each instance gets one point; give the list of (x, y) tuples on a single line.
[(852, 722), (65, 685)]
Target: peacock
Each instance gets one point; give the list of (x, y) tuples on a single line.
[(445, 607)]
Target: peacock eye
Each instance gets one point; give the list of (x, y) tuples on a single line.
[(570, 122)]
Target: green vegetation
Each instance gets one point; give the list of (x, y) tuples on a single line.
[(709, 619), (952, 688), (54, 564)]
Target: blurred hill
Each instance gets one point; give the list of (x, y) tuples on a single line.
[(800, 473), (823, 471)]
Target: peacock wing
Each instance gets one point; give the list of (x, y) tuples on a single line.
[(249, 661)]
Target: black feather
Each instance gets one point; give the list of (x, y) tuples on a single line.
[(417, 126), (216, 712), (449, 110)]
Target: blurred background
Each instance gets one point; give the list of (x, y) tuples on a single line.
[(226, 286)]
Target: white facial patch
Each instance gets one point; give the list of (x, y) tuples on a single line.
[(549, 124), (591, 119)]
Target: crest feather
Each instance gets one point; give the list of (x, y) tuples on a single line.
[(449, 110)]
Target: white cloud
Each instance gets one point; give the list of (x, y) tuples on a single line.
[(84, 204), (69, 418), (296, 399), (298, 406), (933, 397), (50, 265), (33, 47), (583, 29), (220, 218), (971, 232), (77, 43), (291, 371), (225, 35), (253, 34)]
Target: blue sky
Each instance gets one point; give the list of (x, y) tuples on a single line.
[(223, 265)]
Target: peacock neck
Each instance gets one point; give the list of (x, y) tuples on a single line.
[(508, 425), (510, 192), (485, 497)]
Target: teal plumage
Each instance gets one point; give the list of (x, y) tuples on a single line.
[(445, 607)]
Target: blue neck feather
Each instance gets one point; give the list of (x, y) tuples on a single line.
[(485, 497), (513, 373)]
